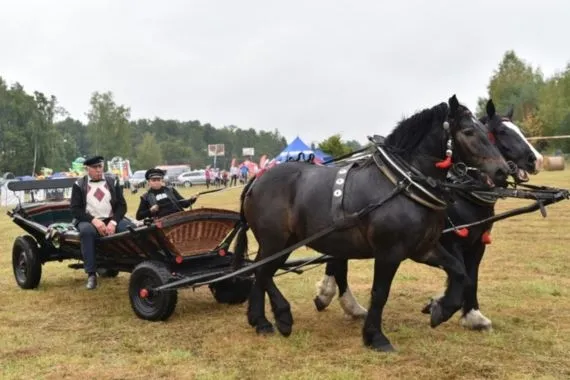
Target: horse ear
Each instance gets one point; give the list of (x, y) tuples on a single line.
[(510, 112), (491, 109), (453, 104)]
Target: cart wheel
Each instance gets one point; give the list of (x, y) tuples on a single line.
[(149, 305), (26, 262), (109, 273), (232, 291)]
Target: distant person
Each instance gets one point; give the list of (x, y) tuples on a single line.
[(160, 200), (234, 173), (208, 175), (244, 171), (98, 208)]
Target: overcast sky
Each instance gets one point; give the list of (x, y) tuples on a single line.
[(307, 68)]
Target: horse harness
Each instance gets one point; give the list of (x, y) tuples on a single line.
[(391, 167)]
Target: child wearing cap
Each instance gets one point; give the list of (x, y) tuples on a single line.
[(160, 200)]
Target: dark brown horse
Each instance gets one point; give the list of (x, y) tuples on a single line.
[(294, 201), (469, 244)]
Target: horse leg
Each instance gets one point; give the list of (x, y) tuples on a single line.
[(326, 288), (256, 304), (336, 273), (472, 318), (281, 309), (443, 308), (279, 305), (351, 307), (372, 334)]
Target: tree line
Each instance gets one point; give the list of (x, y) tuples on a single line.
[(36, 131)]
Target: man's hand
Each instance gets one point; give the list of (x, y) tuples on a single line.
[(154, 209), (99, 226), (111, 227)]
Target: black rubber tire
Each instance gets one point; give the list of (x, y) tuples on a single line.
[(26, 262), (158, 306), (232, 291), (108, 273)]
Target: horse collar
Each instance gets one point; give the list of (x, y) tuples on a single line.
[(394, 172)]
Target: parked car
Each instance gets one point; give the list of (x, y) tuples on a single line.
[(137, 180), (188, 179), (172, 172)]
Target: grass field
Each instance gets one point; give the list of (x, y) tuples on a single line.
[(61, 330)]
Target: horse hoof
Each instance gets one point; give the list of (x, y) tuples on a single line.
[(385, 348), (427, 308), (436, 314), (284, 329), (320, 305), (352, 317), (284, 324), (264, 329), (382, 347), (475, 320)]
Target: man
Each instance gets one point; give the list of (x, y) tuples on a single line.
[(234, 172), (208, 175), (244, 171), (160, 200), (98, 207)]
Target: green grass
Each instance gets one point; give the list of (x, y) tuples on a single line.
[(61, 330)]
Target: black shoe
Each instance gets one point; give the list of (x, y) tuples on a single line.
[(91, 282)]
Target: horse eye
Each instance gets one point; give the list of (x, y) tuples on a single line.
[(502, 132), (469, 132)]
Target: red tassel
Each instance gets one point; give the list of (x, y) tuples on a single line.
[(486, 238), (463, 232), (491, 137), (444, 164)]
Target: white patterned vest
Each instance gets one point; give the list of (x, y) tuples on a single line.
[(99, 200)]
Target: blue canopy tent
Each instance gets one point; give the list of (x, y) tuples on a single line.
[(293, 150)]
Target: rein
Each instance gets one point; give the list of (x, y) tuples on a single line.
[(348, 221)]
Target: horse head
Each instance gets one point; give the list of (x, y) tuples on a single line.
[(469, 143), (512, 143)]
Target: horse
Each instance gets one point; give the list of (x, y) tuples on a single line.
[(390, 208), (467, 209)]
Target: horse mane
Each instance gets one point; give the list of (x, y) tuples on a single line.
[(410, 132)]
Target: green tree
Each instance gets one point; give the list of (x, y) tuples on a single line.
[(148, 153), (515, 83), (555, 103), (334, 146), (109, 128)]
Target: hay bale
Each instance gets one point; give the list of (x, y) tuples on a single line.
[(554, 163)]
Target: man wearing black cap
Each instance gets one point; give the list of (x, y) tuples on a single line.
[(160, 200), (98, 206)]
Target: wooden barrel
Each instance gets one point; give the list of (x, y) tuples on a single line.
[(554, 163)]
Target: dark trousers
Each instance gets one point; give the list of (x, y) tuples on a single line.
[(233, 181), (87, 235)]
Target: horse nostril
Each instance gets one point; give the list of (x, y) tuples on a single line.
[(531, 159)]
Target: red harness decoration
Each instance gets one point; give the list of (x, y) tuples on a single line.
[(444, 164), (486, 238), (463, 232), (491, 138)]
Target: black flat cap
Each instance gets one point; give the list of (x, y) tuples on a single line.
[(154, 173), (95, 160)]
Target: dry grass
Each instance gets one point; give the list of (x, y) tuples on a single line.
[(63, 331)]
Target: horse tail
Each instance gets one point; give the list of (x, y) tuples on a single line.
[(241, 238)]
